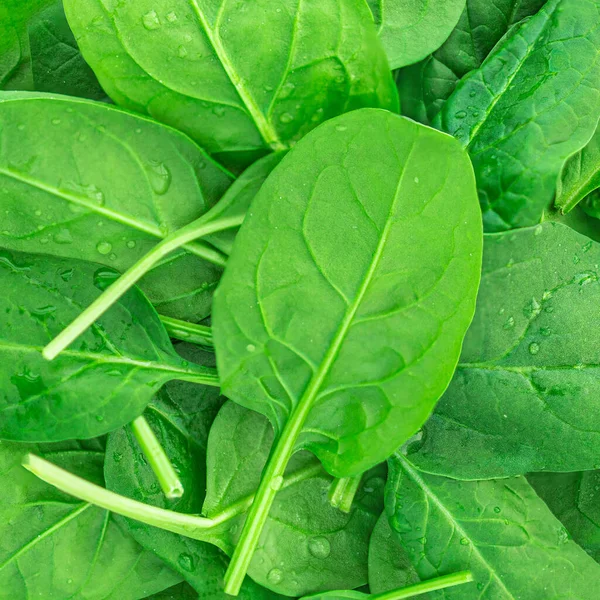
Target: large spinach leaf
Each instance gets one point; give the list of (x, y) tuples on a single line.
[(531, 105), (240, 78), (500, 530), (424, 87), (87, 181), (575, 500), (525, 396), (306, 543), (343, 306), (410, 30), (53, 546), (56, 63), (578, 220), (102, 382)]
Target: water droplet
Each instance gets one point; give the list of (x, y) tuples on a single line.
[(151, 21), (534, 348), (464, 542), (159, 176), (576, 260), (563, 535), (219, 111), (509, 323), (251, 347), (66, 274), (99, 418), (588, 246), (130, 244), (472, 94), (497, 509), (286, 117), (172, 17), (480, 586), (286, 90), (277, 483), (182, 52), (21, 127), (55, 121), (416, 180), (104, 248), (63, 237), (319, 547), (545, 331), (89, 191), (461, 114), (275, 576), (186, 562), (117, 457)]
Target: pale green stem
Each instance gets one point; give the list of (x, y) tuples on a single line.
[(200, 335), (439, 583), (157, 459), (112, 294), (342, 492), (192, 526)]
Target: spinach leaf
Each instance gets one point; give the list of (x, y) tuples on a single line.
[(425, 87), (57, 65), (500, 530), (103, 382), (15, 55), (306, 544), (574, 500), (241, 82), (389, 565), (578, 220), (363, 275), (87, 181), (183, 591), (525, 394), (531, 105), (53, 546), (410, 30)]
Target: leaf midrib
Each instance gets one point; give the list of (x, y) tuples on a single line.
[(414, 475), (266, 130)]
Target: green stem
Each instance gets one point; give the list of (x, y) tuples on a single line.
[(439, 583), (157, 458), (188, 332), (192, 526), (183, 236), (342, 492)]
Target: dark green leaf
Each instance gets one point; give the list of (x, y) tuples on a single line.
[(424, 87), (183, 591), (241, 78), (53, 546), (500, 530), (350, 287), (104, 380), (84, 180), (578, 220), (410, 30), (533, 104), (575, 500), (526, 394), (57, 64)]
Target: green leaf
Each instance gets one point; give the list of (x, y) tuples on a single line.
[(352, 268), (531, 106), (54, 546), (500, 530), (425, 87), (57, 64), (526, 394), (15, 55), (389, 565), (574, 499), (306, 544), (241, 79), (578, 220), (105, 380), (183, 591), (410, 30), (87, 181)]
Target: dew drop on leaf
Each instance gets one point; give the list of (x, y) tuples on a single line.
[(464, 542), (534, 348), (151, 21), (461, 114), (497, 509), (286, 117), (186, 562), (117, 457), (104, 248), (275, 576), (277, 483), (319, 547), (159, 177)]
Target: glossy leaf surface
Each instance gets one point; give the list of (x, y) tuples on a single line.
[(104, 380), (54, 546), (240, 78), (338, 299), (500, 530), (409, 30), (86, 181), (525, 396), (531, 105)]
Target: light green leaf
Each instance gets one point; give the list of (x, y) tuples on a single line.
[(500, 530), (410, 30), (424, 87), (54, 546), (574, 499), (242, 79), (533, 104), (526, 394), (87, 181), (105, 380)]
